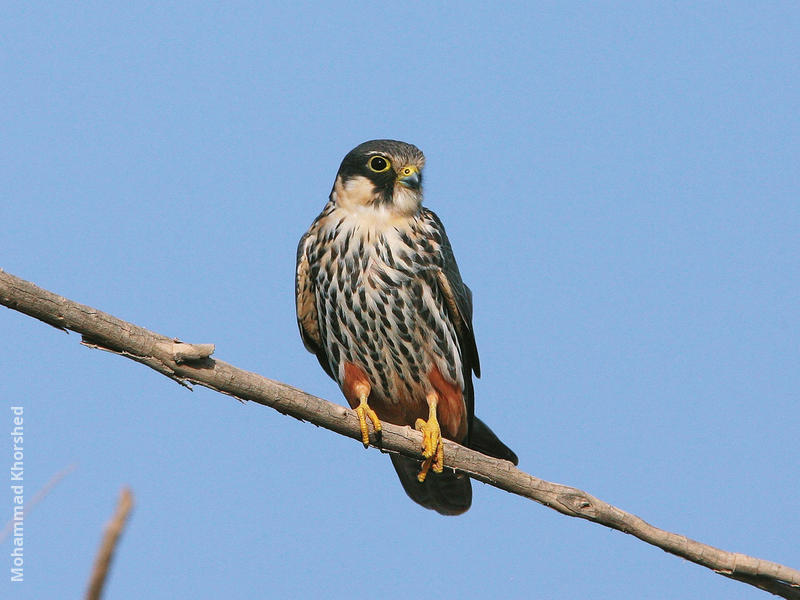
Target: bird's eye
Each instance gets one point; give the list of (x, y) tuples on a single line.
[(378, 164)]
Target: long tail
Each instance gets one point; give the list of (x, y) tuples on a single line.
[(449, 493)]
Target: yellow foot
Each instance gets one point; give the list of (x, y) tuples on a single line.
[(364, 411), (432, 446)]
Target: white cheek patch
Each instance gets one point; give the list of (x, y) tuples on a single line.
[(358, 191), (406, 201)]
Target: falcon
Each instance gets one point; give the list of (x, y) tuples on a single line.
[(381, 303)]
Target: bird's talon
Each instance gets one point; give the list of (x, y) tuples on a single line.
[(438, 461), (432, 446), (364, 412), (376, 423), (423, 472)]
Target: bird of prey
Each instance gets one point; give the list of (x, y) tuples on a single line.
[(381, 303)]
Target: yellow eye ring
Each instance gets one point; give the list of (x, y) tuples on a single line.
[(379, 164)]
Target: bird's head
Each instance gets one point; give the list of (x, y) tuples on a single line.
[(381, 175)]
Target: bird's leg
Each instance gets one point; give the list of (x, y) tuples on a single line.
[(432, 446), (356, 387), (364, 411)]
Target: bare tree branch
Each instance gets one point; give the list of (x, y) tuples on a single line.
[(109, 544), (191, 364)]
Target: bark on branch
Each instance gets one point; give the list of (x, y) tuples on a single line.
[(192, 364)]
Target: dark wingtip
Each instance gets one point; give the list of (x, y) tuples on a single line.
[(484, 440)]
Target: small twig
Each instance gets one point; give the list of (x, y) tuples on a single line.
[(38, 497), (158, 352), (109, 544)]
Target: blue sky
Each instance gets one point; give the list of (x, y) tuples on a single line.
[(620, 185)]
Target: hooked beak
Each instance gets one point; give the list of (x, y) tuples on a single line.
[(410, 177)]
